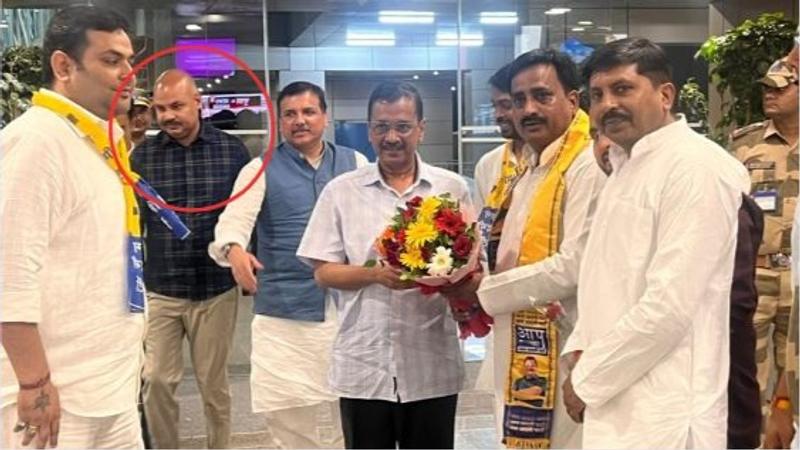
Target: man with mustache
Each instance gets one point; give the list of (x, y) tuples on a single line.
[(655, 282), (294, 322), (769, 151), (547, 219), (191, 164), (397, 366), (744, 412)]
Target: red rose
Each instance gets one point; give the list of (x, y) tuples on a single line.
[(408, 214), (400, 237), (450, 222), (414, 202), (462, 246)]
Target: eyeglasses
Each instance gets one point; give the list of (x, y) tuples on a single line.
[(383, 128)]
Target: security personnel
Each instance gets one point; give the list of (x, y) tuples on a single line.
[(769, 151)]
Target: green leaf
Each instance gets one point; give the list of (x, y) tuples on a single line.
[(371, 263)]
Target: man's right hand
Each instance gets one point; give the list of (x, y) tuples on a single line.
[(243, 267), (41, 411), (779, 429), (389, 276)]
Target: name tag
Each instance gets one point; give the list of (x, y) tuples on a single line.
[(761, 165), (766, 200)]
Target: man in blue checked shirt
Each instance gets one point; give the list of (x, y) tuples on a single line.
[(192, 164)]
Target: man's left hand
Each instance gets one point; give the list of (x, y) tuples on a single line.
[(575, 406)]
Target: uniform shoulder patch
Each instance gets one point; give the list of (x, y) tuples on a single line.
[(747, 129)]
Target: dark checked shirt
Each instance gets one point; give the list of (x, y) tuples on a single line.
[(195, 176)]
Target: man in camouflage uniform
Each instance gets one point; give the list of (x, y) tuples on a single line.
[(769, 151)]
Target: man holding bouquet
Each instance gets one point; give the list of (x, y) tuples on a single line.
[(547, 219), (396, 366)]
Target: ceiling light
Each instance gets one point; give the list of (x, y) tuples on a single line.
[(193, 27), (451, 39), (585, 22), (425, 17), (436, 72), (217, 80), (215, 18), (416, 77), (578, 29), (199, 89), (370, 38), (498, 18), (208, 85), (604, 28), (557, 11), (453, 88), (225, 77)]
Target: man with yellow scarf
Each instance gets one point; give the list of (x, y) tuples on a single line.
[(547, 218), (72, 304)]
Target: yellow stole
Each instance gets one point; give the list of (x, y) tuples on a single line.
[(528, 417), (95, 131), (493, 215)]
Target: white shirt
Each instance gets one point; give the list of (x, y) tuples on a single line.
[(391, 345), (62, 215), (290, 358), (654, 295), (515, 288)]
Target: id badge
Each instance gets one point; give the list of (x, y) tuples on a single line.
[(766, 200)]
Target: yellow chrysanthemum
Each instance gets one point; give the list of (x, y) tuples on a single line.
[(412, 258), (428, 208), (420, 233)]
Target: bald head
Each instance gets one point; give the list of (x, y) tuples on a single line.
[(176, 80), (176, 103)]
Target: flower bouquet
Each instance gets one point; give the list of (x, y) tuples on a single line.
[(432, 243)]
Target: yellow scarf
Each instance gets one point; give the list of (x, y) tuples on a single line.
[(509, 171), (95, 132), (530, 399), (493, 215)]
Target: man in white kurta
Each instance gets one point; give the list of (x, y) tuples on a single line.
[(654, 291), (290, 355), (72, 348), (513, 287)]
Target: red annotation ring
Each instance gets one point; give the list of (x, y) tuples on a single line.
[(267, 157)]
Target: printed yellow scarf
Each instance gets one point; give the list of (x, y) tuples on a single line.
[(493, 215), (532, 377), (95, 132)]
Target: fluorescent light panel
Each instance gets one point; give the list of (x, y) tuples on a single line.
[(498, 17), (557, 11), (370, 38), (407, 17), (450, 39)]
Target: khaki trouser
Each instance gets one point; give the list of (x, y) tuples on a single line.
[(314, 426), (774, 307), (208, 325)]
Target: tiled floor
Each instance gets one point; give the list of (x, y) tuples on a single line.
[(474, 421)]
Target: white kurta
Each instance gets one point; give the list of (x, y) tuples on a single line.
[(516, 288), (654, 295)]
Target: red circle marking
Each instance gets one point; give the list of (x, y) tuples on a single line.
[(267, 156)]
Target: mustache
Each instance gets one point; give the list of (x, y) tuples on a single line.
[(533, 119), (615, 114), (297, 130), (169, 123)]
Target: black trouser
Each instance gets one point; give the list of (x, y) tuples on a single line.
[(382, 424)]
